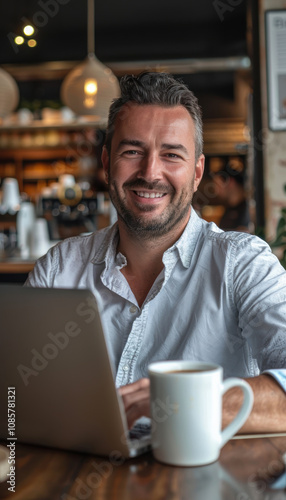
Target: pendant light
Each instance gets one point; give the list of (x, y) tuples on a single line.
[(9, 93), (90, 87)]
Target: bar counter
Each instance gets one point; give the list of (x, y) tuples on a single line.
[(11, 266)]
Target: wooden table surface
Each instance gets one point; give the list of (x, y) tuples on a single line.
[(247, 469)]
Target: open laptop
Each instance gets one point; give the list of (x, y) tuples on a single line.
[(53, 352)]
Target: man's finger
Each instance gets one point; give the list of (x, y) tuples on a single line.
[(140, 384)]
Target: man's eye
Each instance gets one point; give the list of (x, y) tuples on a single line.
[(131, 152), (172, 155)]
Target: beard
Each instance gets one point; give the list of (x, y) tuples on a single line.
[(160, 225)]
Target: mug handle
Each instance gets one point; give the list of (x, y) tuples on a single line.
[(243, 412)]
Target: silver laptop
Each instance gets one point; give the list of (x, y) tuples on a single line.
[(53, 352)]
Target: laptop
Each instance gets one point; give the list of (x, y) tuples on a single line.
[(55, 367)]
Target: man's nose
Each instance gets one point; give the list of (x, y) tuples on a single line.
[(150, 168)]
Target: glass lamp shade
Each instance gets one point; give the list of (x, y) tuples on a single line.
[(9, 93), (89, 88)]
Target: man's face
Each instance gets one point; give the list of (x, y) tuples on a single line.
[(152, 173)]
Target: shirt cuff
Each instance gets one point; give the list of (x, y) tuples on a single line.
[(279, 375)]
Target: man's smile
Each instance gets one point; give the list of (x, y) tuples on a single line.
[(145, 194)]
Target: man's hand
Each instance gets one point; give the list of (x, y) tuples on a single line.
[(136, 399)]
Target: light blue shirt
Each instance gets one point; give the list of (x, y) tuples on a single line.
[(221, 298)]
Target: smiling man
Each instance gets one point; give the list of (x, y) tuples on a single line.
[(153, 169), (172, 285)]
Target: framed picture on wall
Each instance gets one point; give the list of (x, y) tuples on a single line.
[(275, 29)]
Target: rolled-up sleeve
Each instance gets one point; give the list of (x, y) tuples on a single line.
[(260, 297), (279, 376)]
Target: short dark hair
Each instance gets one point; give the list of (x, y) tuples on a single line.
[(156, 88)]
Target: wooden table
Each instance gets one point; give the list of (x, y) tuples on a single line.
[(247, 469), (15, 270)]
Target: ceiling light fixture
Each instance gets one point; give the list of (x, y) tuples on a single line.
[(32, 42), (90, 87), (19, 40), (28, 30)]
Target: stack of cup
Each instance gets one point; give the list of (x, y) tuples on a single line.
[(25, 225), (10, 196)]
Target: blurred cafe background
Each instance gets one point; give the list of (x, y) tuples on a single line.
[(60, 64)]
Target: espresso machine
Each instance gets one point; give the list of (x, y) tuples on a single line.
[(71, 209)]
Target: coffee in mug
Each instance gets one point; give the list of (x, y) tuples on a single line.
[(185, 371), (186, 411)]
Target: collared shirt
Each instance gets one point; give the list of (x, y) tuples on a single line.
[(221, 297)]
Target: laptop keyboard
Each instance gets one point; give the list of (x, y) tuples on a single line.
[(141, 428)]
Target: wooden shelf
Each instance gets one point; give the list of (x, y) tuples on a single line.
[(225, 137), (35, 153), (40, 125), (36, 166)]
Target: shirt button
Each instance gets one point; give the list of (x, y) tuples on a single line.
[(125, 368), (133, 309)]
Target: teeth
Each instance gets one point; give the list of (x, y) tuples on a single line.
[(143, 194)]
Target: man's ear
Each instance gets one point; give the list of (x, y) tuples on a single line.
[(199, 171), (105, 162)]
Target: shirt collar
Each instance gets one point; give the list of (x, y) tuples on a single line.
[(107, 250), (185, 245)]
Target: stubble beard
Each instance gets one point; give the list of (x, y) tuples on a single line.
[(140, 226)]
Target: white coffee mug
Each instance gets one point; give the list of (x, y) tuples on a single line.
[(186, 411)]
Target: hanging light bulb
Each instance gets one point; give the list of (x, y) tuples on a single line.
[(90, 87), (9, 93), (90, 91)]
